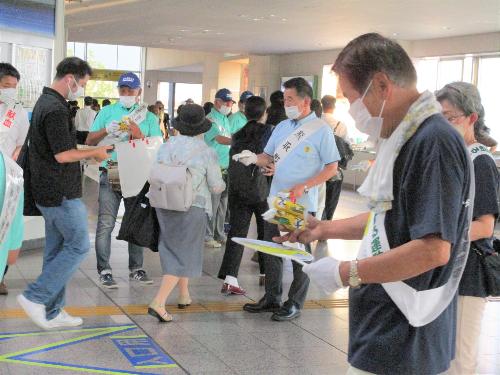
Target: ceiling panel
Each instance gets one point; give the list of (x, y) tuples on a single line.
[(272, 26)]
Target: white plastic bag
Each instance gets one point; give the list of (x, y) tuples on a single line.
[(135, 159)]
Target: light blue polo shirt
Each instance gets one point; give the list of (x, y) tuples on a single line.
[(115, 112), (237, 121), (305, 161), (220, 126)]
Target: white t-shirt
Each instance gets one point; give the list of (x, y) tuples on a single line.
[(84, 118), (338, 127), (13, 130)]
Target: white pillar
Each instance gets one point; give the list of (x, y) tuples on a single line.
[(210, 78), (59, 49)]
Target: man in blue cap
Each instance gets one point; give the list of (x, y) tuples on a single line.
[(107, 123), (238, 120), (219, 138)]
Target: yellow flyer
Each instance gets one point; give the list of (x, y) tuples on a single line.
[(275, 249)]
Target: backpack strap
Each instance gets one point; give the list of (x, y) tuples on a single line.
[(336, 126)]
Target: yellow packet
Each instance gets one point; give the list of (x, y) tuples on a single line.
[(285, 204), (124, 124), (290, 221)]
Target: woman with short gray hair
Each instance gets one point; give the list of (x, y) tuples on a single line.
[(462, 107)]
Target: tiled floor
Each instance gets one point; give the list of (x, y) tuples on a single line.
[(213, 336)]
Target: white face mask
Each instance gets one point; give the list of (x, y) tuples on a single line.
[(77, 94), (292, 112), (364, 121), (225, 110), (8, 95), (128, 101)]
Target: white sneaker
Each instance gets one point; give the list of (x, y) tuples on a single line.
[(35, 311), (63, 319), (213, 243)]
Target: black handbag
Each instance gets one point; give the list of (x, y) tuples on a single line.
[(30, 208), (140, 223), (490, 267)]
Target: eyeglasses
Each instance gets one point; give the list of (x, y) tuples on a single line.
[(452, 118)]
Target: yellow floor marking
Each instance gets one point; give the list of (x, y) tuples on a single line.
[(203, 307)]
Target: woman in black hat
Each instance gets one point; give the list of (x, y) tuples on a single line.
[(182, 233)]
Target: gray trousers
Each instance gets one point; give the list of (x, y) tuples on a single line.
[(109, 203), (215, 224), (273, 267)]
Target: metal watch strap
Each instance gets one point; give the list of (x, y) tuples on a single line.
[(354, 279)]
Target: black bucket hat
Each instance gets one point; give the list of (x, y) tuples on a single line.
[(191, 120)]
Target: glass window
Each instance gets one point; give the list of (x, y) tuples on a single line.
[(488, 84), (328, 81), (102, 56), (70, 49), (184, 91), (449, 71), (129, 58), (101, 89), (468, 69), (164, 94), (329, 86), (427, 70)]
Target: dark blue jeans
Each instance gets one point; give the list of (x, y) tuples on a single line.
[(66, 245)]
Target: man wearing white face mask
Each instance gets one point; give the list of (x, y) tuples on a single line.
[(105, 123), (219, 138), (305, 155), (53, 177), (415, 237), (14, 126), (14, 121)]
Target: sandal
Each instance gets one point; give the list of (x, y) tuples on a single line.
[(162, 318), (183, 302)]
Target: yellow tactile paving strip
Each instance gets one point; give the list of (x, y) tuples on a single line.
[(205, 307)]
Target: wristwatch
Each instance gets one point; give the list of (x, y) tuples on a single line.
[(354, 279)]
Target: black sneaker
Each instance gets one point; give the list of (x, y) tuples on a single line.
[(107, 281), (140, 276)]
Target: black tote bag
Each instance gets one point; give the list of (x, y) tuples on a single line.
[(140, 224)]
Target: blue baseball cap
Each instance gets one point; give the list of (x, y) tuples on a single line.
[(224, 95), (130, 80), (245, 95)]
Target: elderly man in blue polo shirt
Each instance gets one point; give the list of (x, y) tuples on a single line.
[(219, 138), (305, 155), (106, 123)]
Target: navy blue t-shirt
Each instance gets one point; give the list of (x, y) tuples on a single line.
[(431, 185), (473, 282)]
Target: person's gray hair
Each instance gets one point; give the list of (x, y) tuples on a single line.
[(465, 96), (372, 53)]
